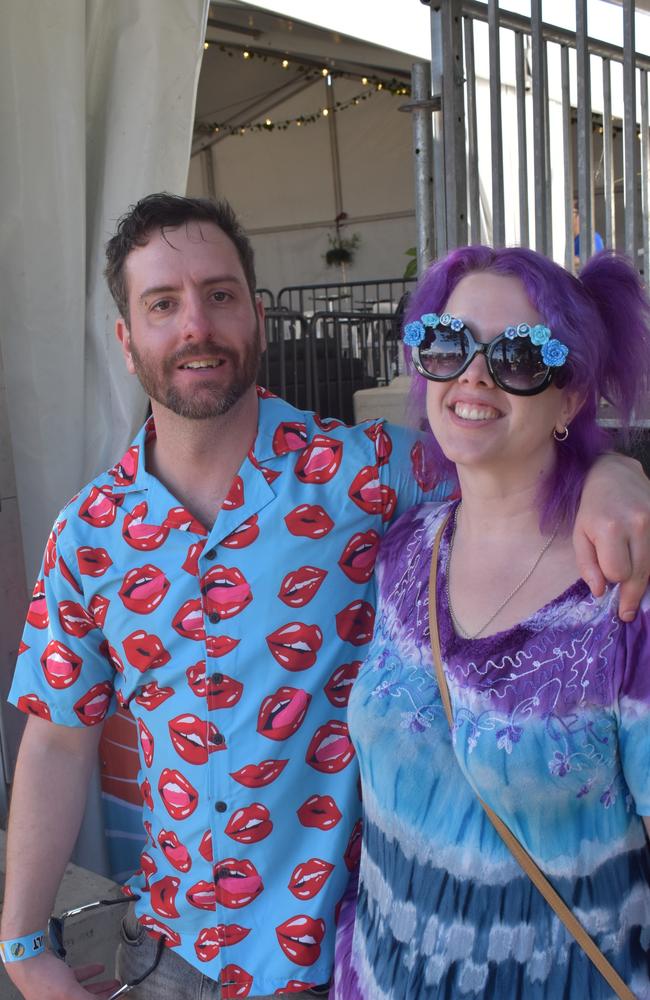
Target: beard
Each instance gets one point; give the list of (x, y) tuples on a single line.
[(203, 402)]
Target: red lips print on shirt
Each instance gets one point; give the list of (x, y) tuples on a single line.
[(320, 461), (281, 714), (237, 882), (91, 709), (259, 775), (289, 437), (383, 444), (295, 645), (250, 824), (300, 585), (37, 613), (93, 562), (308, 878), (226, 591), (300, 938), (309, 521), (356, 622), (320, 811), (359, 556), (143, 589), (339, 686), (99, 510), (140, 535), (194, 739), (330, 749), (60, 665), (371, 495), (220, 690), (144, 651), (180, 798)]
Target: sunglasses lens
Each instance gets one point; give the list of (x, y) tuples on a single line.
[(443, 352), (517, 363)]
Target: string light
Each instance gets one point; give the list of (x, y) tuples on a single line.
[(268, 125), (311, 70), (206, 45)]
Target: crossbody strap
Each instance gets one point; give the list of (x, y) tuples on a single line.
[(520, 853)]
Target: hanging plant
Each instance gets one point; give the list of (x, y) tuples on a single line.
[(341, 248)]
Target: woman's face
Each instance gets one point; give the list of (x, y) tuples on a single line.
[(477, 424)]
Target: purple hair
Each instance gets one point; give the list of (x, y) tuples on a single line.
[(603, 317)]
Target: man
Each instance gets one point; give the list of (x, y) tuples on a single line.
[(218, 582)]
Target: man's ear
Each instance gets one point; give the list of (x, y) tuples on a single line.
[(259, 309), (123, 334)]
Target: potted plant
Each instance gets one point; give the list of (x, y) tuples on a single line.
[(341, 248)]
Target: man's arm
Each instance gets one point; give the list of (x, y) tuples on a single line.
[(49, 793), (612, 530)]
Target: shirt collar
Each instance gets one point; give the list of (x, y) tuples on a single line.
[(281, 428)]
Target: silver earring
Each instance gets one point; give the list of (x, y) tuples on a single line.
[(562, 436)]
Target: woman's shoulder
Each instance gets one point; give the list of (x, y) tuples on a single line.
[(421, 522)]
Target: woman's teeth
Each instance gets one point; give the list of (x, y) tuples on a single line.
[(469, 412)]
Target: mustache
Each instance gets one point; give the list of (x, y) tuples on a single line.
[(214, 352)]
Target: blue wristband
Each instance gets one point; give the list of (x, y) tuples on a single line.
[(17, 949)]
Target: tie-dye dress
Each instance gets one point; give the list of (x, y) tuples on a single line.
[(551, 723)]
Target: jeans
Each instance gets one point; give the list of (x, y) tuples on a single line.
[(174, 978)]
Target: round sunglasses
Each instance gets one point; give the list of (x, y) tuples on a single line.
[(521, 360)]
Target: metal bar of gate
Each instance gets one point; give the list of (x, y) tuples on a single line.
[(472, 134), (439, 179), (608, 157), (522, 145), (629, 127), (496, 127), (539, 131), (567, 148), (644, 171), (585, 198), (421, 107), (453, 110)]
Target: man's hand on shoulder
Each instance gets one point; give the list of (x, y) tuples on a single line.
[(612, 530), (45, 977)]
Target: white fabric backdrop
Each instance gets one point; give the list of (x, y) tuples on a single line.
[(96, 109)]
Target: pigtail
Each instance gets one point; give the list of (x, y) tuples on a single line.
[(615, 288)]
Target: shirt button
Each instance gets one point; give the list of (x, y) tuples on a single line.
[(216, 679), (218, 739), (220, 807), (214, 617), (211, 554)]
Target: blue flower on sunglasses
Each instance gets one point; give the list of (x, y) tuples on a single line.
[(430, 319), (540, 335), (511, 332), (554, 353), (413, 333), (523, 330)]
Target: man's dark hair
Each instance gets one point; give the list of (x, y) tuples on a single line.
[(169, 211)]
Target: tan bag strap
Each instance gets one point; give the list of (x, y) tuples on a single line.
[(537, 877)]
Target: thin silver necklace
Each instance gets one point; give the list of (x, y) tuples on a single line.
[(474, 635)]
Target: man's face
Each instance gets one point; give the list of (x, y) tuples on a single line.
[(195, 336)]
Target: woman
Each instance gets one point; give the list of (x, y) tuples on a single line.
[(550, 720)]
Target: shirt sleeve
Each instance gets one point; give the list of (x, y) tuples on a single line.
[(409, 471), (632, 677), (63, 670)]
